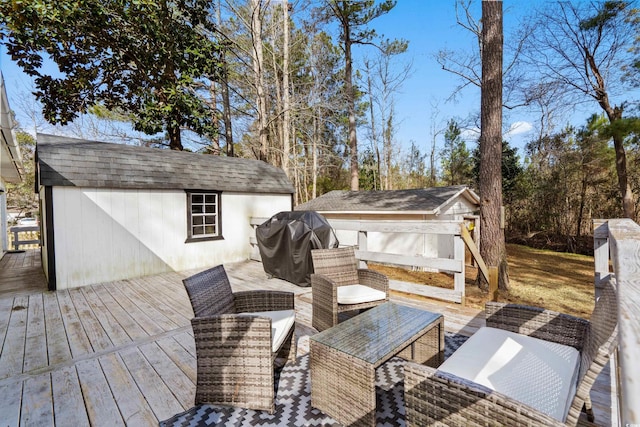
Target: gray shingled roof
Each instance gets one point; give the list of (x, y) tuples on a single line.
[(425, 200), (75, 162)]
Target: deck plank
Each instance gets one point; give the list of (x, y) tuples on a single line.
[(35, 352), (161, 400), (6, 304), (128, 323), (78, 341), (116, 333), (131, 402), (68, 404), (180, 384), (11, 392), (12, 356), (129, 288), (93, 329), (57, 344), (100, 403), (135, 312), (180, 356), (164, 302), (37, 402)]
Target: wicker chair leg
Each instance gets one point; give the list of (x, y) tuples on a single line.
[(588, 408)]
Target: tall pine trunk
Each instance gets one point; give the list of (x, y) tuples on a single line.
[(492, 240)]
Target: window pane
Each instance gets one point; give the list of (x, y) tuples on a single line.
[(196, 209), (210, 208), (209, 219), (197, 220), (211, 198), (198, 231), (197, 198), (210, 229)]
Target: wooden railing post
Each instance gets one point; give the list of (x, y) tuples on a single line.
[(362, 245), (493, 283), (624, 241), (600, 253)]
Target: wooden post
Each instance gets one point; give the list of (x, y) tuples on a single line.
[(600, 253), (458, 278), (362, 245), (493, 283)]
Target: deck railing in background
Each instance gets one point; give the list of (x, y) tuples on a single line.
[(618, 241), (24, 235)]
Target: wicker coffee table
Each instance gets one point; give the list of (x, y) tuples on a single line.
[(344, 358)]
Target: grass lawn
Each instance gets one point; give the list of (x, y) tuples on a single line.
[(553, 280)]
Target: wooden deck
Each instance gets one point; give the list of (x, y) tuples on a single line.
[(122, 353)]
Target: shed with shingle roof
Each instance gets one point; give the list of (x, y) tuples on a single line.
[(456, 202), (113, 211)]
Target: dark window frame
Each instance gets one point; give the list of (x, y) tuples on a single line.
[(191, 237)]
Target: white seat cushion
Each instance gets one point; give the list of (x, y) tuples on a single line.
[(357, 294), (281, 323), (538, 373)]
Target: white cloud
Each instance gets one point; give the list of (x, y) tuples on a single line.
[(519, 128)]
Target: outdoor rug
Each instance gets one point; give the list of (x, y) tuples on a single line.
[(293, 399)]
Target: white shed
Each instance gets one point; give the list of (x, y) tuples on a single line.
[(111, 211), (10, 162), (422, 205)]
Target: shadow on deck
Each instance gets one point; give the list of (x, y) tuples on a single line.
[(21, 273), (122, 353)]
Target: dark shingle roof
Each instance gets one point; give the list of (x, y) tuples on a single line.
[(425, 200), (67, 161)]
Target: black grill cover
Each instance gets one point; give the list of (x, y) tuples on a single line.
[(285, 241)]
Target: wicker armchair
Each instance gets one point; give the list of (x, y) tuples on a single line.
[(332, 286), (434, 397), (238, 337)]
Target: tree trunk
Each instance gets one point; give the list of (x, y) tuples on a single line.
[(286, 144), (175, 140), (258, 61), (224, 90), (353, 141), (374, 135), (492, 240)]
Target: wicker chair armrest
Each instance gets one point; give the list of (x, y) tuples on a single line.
[(230, 335), (438, 398), (374, 280), (323, 286), (539, 323), (263, 300)]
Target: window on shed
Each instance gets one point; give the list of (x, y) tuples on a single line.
[(203, 215)]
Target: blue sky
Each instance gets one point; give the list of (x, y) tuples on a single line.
[(429, 26)]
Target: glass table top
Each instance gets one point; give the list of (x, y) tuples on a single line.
[(377, 332)]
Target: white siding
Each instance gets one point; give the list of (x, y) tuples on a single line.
[(4, 242), (103, 235)]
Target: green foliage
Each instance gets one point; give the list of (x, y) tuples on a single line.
[(142, 58), (569, 181), (457, 165), (512, 173)]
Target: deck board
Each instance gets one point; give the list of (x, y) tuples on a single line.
[(68, 405), (122, 353)]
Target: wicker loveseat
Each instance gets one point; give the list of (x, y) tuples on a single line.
[(338, 285), (440, 397), (238, 337)]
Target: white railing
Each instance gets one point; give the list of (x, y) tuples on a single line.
[(455, 265), (617, 241), (29, 229)]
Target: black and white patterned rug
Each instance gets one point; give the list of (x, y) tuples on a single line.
[(293, 399)]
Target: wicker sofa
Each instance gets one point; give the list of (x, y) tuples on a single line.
[(439, 397), (338, 285), (238, 337)]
